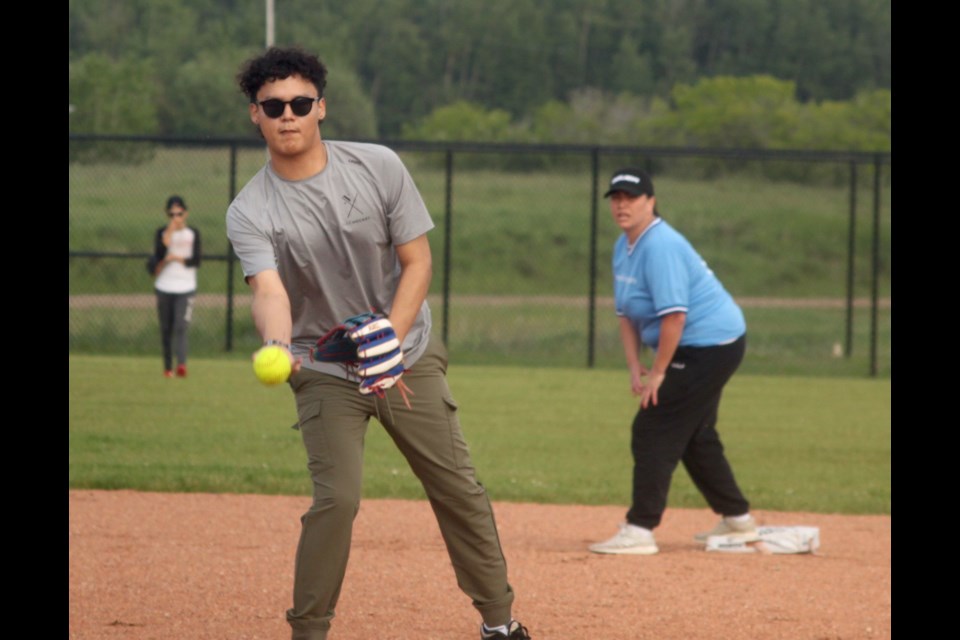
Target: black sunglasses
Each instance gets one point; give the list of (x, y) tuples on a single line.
[(300, 106), (177, 214)]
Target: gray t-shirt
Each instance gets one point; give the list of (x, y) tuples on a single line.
[(332, 239)]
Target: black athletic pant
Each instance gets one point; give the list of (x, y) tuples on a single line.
[(682, 427), (174, 311)]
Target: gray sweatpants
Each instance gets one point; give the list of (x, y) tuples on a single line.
[(333, 418), (174, 310)]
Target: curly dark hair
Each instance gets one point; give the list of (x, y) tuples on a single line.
[(279, 63)]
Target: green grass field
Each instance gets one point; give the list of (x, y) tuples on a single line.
[(519, 332), (807, 430), (548, 435)]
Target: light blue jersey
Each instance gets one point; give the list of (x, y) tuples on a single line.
[(662, 274)]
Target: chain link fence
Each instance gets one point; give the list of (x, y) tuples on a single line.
[(522, 247)]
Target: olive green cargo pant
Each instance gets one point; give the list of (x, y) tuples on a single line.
[(333, 418)]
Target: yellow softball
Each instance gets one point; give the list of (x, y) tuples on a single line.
[(272, 365)]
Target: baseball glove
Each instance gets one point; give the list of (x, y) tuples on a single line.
[(367, 345)]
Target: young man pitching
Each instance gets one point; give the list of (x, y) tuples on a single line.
[(329, 231)]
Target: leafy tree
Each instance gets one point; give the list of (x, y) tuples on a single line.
[(111, 97), (462, 121), (512, 61), (592, 116), (733, 37), (633, 71), (861, 124), (567, 30), (733, 112), (102, 26), (350, 112), (465, 121), (410, 57), (333, 30), (204, 98), (229, 24), (169, 30), (592, 24), (99, 103), (872, 114), (831, 49)]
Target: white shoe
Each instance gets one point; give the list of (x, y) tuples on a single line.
[(745, 531), (629, 540)]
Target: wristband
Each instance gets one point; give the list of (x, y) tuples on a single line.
[(279, 343)]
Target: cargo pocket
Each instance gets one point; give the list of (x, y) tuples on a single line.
[(460, 453), (308, 412), (314, 436)]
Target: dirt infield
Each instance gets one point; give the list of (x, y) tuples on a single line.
[(154, 566)]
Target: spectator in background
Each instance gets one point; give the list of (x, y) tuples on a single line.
[(174, 263)]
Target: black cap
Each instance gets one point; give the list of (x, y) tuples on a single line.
[(631, 180), (175, 200)]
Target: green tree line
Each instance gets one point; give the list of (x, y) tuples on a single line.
[(731, 73)]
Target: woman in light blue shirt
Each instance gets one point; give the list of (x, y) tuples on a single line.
[(669, 300)]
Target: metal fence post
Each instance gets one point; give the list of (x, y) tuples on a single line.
[(592, 304), (231, 256), (447, 235), (851, 252), (876, 266)]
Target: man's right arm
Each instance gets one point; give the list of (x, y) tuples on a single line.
[(271, 310)]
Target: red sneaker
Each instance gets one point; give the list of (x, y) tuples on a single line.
[(168, 373), (182, 371)]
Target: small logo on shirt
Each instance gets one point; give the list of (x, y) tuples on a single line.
[(626, 279), (678, 365), (352, 201)]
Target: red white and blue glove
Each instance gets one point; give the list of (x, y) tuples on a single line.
[(368, 345)]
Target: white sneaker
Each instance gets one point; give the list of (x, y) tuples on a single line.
[(745, 531), (629, 540)]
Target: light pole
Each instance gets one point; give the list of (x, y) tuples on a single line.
[(269, 23), (270, 33)]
